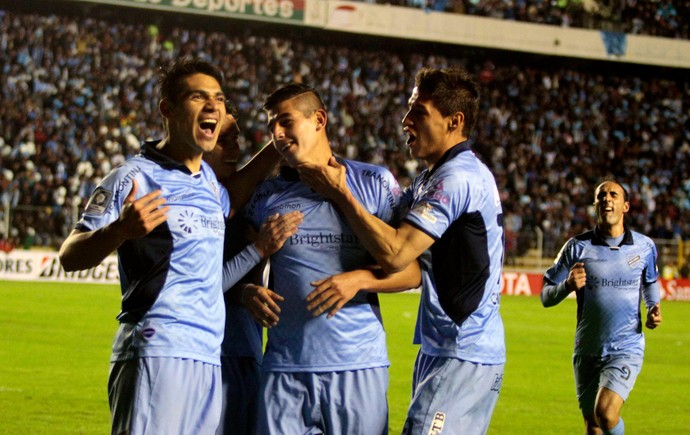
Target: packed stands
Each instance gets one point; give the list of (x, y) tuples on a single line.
[(79, 95), (661, 18)]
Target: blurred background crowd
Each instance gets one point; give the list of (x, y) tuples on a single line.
[(662, 18), (79, 95)]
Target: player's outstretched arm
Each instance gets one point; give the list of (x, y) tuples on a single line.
[(86, 249), (393, 248), (332, 293)]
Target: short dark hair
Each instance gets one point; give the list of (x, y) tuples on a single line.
[(230, 107), (292, 90), (451, 90), (171, 78)]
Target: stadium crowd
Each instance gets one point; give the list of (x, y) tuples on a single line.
[(78, 92), (662, 18)]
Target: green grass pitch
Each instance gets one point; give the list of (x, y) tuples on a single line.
[(55, 343)]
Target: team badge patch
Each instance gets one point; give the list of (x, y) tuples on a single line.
[(425, 212), (99, 201), (632, 261)]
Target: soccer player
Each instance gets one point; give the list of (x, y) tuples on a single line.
[(164, 212), (325, 368), (453, 219), (242, 347), (608, 268)]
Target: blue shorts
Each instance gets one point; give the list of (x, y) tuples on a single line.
[(241, 377), (618, 373), (335, 403), (452, 396), (164, 396)]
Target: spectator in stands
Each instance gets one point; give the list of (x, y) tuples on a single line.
[(558, 128), (607, 267)]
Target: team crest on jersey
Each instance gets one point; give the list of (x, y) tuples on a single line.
[(99, 201), (437, 423), (424, 210), (633, 260)]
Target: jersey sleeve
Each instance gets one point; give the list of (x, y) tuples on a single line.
[(651, 292), (440, 204), (255, 210), (554, 289), (239, 265), (377, 189), (105, 204)]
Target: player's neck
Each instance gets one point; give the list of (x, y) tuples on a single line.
[(187, 156), (610, 231)]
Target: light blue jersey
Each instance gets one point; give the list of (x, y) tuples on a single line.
[(323, 246), (457, 204), (172, 303), (608, 306)]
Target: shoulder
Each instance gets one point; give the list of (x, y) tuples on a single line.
[(587, 236), (367, 171), (264, 191), (642, 240)]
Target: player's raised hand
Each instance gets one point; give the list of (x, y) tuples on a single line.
[(262, 304), (577, 278), (328, 180), (332, 293), (275, 231), (653, 317), (140, 216)]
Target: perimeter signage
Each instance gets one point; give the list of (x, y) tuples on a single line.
[(292, 10), (20, 265)]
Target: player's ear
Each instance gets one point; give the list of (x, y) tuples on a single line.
[(321, 118), (165, 108), (456, 121), (626, 206)]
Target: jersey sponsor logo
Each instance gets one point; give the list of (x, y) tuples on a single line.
[(391, 192), (99, 201), (178, 198), (323, 239), (437, 423), (190, 223), (436, 192), (594, 283), (127, 179), (286, 206)]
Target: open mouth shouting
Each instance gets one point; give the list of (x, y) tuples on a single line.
[(208, 126)]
